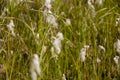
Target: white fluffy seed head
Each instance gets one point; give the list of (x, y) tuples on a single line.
[(116, 59), (86, 47), (47, 6), (49, 17), (33, 75), (54, 55), (48, 1), (117, 21), (90, 4), (68, 22), (60, 36), (98, 60), (63, 77), (11, 27), (44, 49), (57, 45), (83, 52), (117, 46), (51, 20), (99, 2), (83, 56), (34, 67), (35, 57), (101, 48), (56, 42), (92, 8)]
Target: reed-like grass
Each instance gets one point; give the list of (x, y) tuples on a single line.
[(85, 29)]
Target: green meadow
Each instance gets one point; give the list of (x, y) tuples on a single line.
[(80, 25)]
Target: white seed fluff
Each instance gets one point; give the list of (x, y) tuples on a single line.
[(44, 49), (54, 55), (11, 27), (56, 41), (34, 67), (48, 15), (47, 4), (83, 52), (48, 1), (63, 77), (98, 60), (68, 22), (117, 46), (51, 20), (56, 45), (60, 36), (101, 48), (117, 21), (116, 59), (91, 6), (99, 2)]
